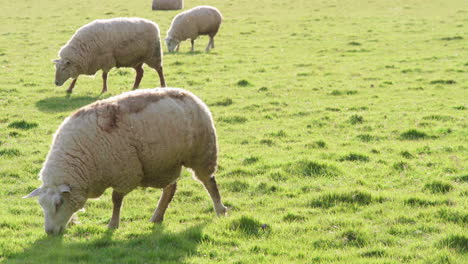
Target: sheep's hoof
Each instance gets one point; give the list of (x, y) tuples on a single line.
[(113, 225), (222, 211), (157, 220)]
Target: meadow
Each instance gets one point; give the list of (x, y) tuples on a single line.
[(342, 128)]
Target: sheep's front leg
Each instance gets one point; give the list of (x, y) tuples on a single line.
[(104, 82), (193, 45), (72, 85), (166, 198), (139, 75), (117, 199)]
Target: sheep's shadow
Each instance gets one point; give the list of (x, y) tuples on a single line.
[(64, 103), (182, 53), (200, 51), (155, 247)]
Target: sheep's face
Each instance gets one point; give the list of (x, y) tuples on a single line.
[(171, 44), (64, 70), (55, 202)]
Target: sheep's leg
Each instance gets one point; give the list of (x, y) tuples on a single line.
[(166, 198), (212, 188), (161, 76), (193, 45), (117, 199), (177, 47), (72, 85), (104, 82), (139, 75), (210, 44)]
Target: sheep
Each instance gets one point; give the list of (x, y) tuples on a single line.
[(107, 43), (139, 138), (167, 4), (200, 20)]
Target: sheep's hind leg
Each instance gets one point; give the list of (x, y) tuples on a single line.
[(166, 198), (210, 44), (193, 45), (212, 188), (161, 76), (104, 82), (72, 85), (117, 199), (139, 75)]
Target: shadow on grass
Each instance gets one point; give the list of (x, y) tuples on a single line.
[(64, 103), (182, 53), (157, 247)]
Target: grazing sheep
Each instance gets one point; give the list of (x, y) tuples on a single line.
[(168, 4), (200, 20), (139, 138), (107, 43)]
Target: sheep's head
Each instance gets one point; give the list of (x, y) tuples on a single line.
[(171, 43), (57, 206), (64, 70)]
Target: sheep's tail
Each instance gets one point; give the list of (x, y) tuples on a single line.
[(158, 49)]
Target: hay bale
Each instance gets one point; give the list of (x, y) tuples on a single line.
[(168, 4)]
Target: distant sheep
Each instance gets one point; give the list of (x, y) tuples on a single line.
[(139, 138), (200, 20), (107, 43), (168, 4)]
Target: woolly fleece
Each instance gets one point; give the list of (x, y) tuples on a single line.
[(138, 138)]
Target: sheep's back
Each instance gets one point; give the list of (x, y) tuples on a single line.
[(207, 19), (119, 38), (196, 21), (153, 131)]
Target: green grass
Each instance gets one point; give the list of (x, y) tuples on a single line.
[(342, 134), (22, 125)]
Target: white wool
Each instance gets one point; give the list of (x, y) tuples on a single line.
[(200, 20), (119, 42), (138, 138), (168, 4)]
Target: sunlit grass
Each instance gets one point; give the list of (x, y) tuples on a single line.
[(341, 124)]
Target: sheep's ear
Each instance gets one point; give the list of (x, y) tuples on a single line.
[(64, 188), (33, 193), (55, 61)]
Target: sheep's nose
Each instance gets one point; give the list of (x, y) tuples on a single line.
[(57, 83)]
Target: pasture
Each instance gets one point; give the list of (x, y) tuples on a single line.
[(342, 128)]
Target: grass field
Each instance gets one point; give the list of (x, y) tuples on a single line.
[(342, 128)]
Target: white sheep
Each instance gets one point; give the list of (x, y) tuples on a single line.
[(138, 138), (200, 20), (167, 4), (107, 43)]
